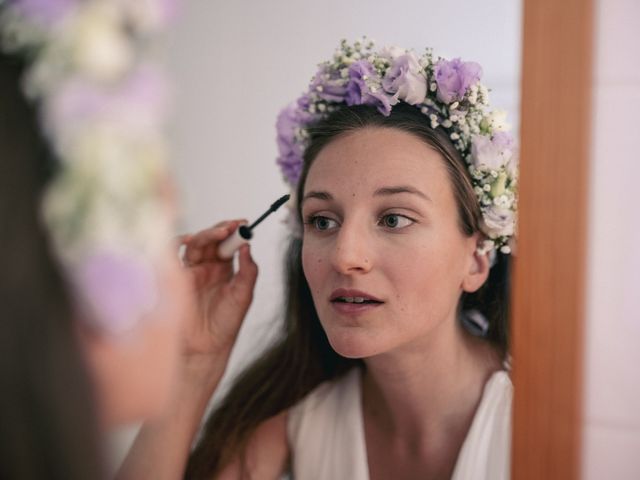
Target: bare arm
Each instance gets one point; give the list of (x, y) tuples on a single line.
[(222, 297), (161, 448)]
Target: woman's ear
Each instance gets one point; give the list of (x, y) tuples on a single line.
[(478, 271)]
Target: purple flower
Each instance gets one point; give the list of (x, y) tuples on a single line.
[(290, 150), (494, 152), (137, 106), (303, 117), (118, 289), (168, 10), (454, 77), (405, 80), (46, 11), (504, 142), (365, 88), (328, 85)]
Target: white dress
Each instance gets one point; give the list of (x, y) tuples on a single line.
[(326, 433)]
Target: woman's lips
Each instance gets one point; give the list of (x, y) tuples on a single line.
[(354, 308), (353, 294), (351, 302)]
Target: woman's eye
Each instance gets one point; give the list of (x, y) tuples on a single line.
[(393, 220), (322, 223)]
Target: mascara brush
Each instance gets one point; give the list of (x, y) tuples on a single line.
[(244, 233)]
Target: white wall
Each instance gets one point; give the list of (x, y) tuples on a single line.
[(237, 63), (612, 396)]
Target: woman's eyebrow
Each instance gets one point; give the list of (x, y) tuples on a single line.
[(320, 195), (394, 190)]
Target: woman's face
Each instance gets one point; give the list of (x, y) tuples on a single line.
[(383, 252)]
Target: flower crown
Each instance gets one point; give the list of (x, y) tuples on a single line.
[(101, 103), (447, 92)]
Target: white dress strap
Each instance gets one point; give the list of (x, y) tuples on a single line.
[(486, 451)]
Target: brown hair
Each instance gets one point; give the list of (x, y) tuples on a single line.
[(303, 358), (48, 427)]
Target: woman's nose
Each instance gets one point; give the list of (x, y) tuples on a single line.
[(351, 250)]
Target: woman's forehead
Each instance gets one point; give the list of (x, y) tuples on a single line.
[(375, 158)]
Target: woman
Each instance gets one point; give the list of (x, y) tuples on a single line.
[(93, 305), (395, 338), (49, 426)]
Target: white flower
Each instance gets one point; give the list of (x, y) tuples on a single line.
[(498, 121), (392, 52), (498, 221), (100, 47), (485, 247)]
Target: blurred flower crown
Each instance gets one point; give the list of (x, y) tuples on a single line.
[(101, 103), (447, 92)]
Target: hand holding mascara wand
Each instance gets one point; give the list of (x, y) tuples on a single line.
[(244, 233)]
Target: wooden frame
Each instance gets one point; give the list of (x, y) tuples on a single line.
[(548, 309)]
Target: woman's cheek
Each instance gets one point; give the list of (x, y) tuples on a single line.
[(312, 262)]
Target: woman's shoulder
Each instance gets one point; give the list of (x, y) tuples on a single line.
[(267, 452)]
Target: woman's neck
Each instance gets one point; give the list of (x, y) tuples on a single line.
[(431, 388)]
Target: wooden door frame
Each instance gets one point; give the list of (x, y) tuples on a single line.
[(548, 299)]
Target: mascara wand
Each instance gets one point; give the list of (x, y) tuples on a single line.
[(244, 233)]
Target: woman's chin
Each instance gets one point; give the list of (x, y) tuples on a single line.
[(353, 345)]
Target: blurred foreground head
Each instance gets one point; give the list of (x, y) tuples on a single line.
[(91, 289)]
